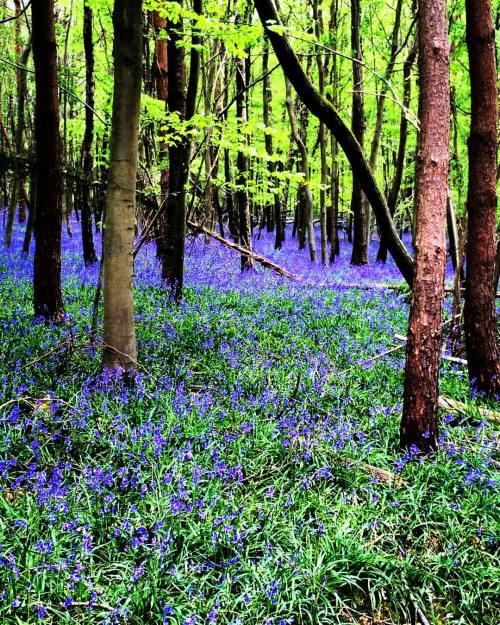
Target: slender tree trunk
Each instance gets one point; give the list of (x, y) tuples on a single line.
[(392, 200), (89, 255), (182, 101), (483, 354), (18, 192), (274, 210), (305, 195), (419, 425), (48, 215), (119, 327), (242, 200), (358, 205)]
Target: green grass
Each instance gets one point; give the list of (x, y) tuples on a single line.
[(234, 479)]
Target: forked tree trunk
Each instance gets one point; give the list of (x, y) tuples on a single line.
[(483, 354), (48, 215), (89, 255), (358, 205), (419, 425), (119, 328)]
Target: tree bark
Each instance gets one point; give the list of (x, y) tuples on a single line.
[(241, 195), (119, 328), (483, 354), (419, 425), (358, 205), (305, 194), (181, 100), (47, 294), (89, 255), (392, 200), (326, 113)]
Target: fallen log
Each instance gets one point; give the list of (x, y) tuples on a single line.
[(458, 408), (262, 260)]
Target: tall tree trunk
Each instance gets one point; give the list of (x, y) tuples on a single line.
[(305, 194), (242, 200), (358, 205), (48, 215), (89, 255), (392, 199), (119, 327), (18, 193), (483, 354), (183, 103), (419, 425), (274, 210)]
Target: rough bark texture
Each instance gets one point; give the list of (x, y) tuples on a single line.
[(119, 328), (326, 113), (89, 255), (419, 422), (48, 216), (358, 206), (483, 355)]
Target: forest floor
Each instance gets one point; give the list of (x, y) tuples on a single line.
[(252, 474)]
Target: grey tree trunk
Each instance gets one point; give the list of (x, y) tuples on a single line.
[(119, 328)]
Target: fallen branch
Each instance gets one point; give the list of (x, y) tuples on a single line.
[(458, 408), (445, 356), (265, 262)]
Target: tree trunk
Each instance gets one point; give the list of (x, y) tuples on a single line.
[(392, 199), (358, 205), (274, 210), (48, 216), (419, 425), (119, 328), (183, 103), (483, 354), (89, 255), (242, 200)]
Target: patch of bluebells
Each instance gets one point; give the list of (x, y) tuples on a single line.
[(239, 454)]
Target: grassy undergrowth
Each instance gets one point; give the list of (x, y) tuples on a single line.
[(237, 481)]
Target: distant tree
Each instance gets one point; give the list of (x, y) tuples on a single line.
[(358, 205), (47, 295), (419, 425), (89, 255), (483, 354), (119, 328)]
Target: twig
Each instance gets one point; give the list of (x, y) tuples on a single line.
[(265, 262)]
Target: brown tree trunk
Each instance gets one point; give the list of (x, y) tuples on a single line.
[(305, 195), (89, 255), (392, 199), (119, 327), (181, 100), (242, 200), (18, 194), (48, 215), (358, 205), (419, 425), (483, 354)]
